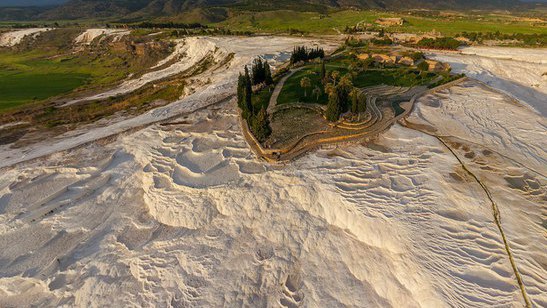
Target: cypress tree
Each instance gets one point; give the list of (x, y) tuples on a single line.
[(344, 87), (333, 107), (248, 94), (362, 103), (261, 125), (354, 101), (257, 71), (323, 71)]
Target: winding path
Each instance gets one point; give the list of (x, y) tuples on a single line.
[(279, 87)]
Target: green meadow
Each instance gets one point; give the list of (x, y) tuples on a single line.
[(36, 75), (50, 67), (336, 21), (23, 87)]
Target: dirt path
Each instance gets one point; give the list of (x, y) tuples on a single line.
[(495, 211), (278, 88)]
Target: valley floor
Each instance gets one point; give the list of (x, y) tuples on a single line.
[(183, 214)]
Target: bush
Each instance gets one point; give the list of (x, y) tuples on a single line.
[(414, 55), (423, 66), (384, 42)]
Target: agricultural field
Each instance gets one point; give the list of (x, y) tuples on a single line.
[(336, 21), (22, 87), (52, 66)]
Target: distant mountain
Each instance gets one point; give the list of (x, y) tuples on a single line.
[(22, 3), (139, 9)]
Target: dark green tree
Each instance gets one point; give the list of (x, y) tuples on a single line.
[(261, 125), (354, 95), (323, 70), (248, 110), (301, 53), (423, 66), (343, 88), (362, 104), (258, 73), (333, 107)]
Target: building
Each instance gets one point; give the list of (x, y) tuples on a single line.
[(390, 21), (363, 56), (381, 58), (436, 66), (408, 61)]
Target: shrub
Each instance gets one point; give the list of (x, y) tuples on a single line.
[(385, 42), (423, 66)]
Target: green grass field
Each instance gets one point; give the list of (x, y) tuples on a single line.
[(401, 76), (51, 68), (21, 88), (262, 99), (292, 91), (335, 22), (38, 75)]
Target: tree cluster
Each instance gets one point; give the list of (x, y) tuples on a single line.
[(208, 31), (342, 96), (167, 25), (261, 72), (440, 43), (303, 54), (414, 55), (257, 120), (536, 39), (386, 41)]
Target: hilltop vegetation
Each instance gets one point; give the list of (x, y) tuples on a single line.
[(84, 9), (336, 21)]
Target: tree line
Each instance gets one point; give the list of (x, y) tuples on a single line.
[(439, 43), (303, 54), (537, 39), (257, 120), (168, 25), (342, 95)]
